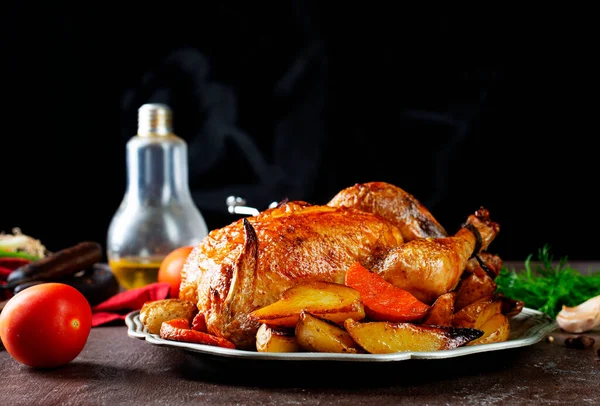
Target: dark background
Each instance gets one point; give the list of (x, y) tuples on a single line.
[(300, 99)]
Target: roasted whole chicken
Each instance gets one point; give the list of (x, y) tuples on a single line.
[(249, 263)]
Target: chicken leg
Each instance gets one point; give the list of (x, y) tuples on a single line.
[(430, 267)]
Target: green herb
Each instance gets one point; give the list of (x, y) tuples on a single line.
[(549, 285), (17, 254)]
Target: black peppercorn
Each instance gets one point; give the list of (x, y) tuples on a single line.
[(579, 342)]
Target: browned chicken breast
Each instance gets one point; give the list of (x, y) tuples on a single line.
[(249, 263), (393, 203)]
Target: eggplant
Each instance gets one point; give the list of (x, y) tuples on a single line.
[(58, 265), (26, 285), (96, 283)]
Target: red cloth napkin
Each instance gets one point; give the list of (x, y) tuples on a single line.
[(118, 306)]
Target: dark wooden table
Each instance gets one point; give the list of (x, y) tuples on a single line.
[(114, 369)]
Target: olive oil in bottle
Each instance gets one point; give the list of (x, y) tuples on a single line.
[(135, 272), (157, 213)]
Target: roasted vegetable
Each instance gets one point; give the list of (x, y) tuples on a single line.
[(477, 313), (442, 311), (97, 283), (381, 337), (317, 335), (26, 285), (475, 286), (179, 330), (270, 339), (57, 265), (382, 300), (327, 300), (153, 314), (496, 329)]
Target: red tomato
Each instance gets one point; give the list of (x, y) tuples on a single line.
[(46, 325), (171, 266)]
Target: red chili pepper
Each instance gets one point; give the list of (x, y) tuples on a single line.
[(13, 263), (4, 294), (4, 272)]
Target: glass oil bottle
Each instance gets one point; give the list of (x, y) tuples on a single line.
[(157, 213)]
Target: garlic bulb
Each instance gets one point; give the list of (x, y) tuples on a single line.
[(581, 318)]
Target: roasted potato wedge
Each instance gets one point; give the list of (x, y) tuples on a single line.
[(154, 313), (381, 337), (319, 335), (441, 312), (269, 339), (474, 287), (495, 330), (511, 307), (326, 300), (477, 313)]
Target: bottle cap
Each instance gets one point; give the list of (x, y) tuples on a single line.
[(154, 119)]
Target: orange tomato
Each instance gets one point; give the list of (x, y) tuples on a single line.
[(171, 266), (46, 325)]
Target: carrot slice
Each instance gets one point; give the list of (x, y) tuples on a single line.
[(199, 323), (382, 300), (179, 330)]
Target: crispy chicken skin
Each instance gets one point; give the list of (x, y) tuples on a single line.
[(393, 203), (249, 263)]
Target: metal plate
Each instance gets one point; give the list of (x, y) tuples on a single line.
[(527, 328)]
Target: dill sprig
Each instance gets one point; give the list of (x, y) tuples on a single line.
[(548, 285)]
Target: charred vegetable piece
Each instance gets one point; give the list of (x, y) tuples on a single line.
[(381, 337), (511, 307)]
